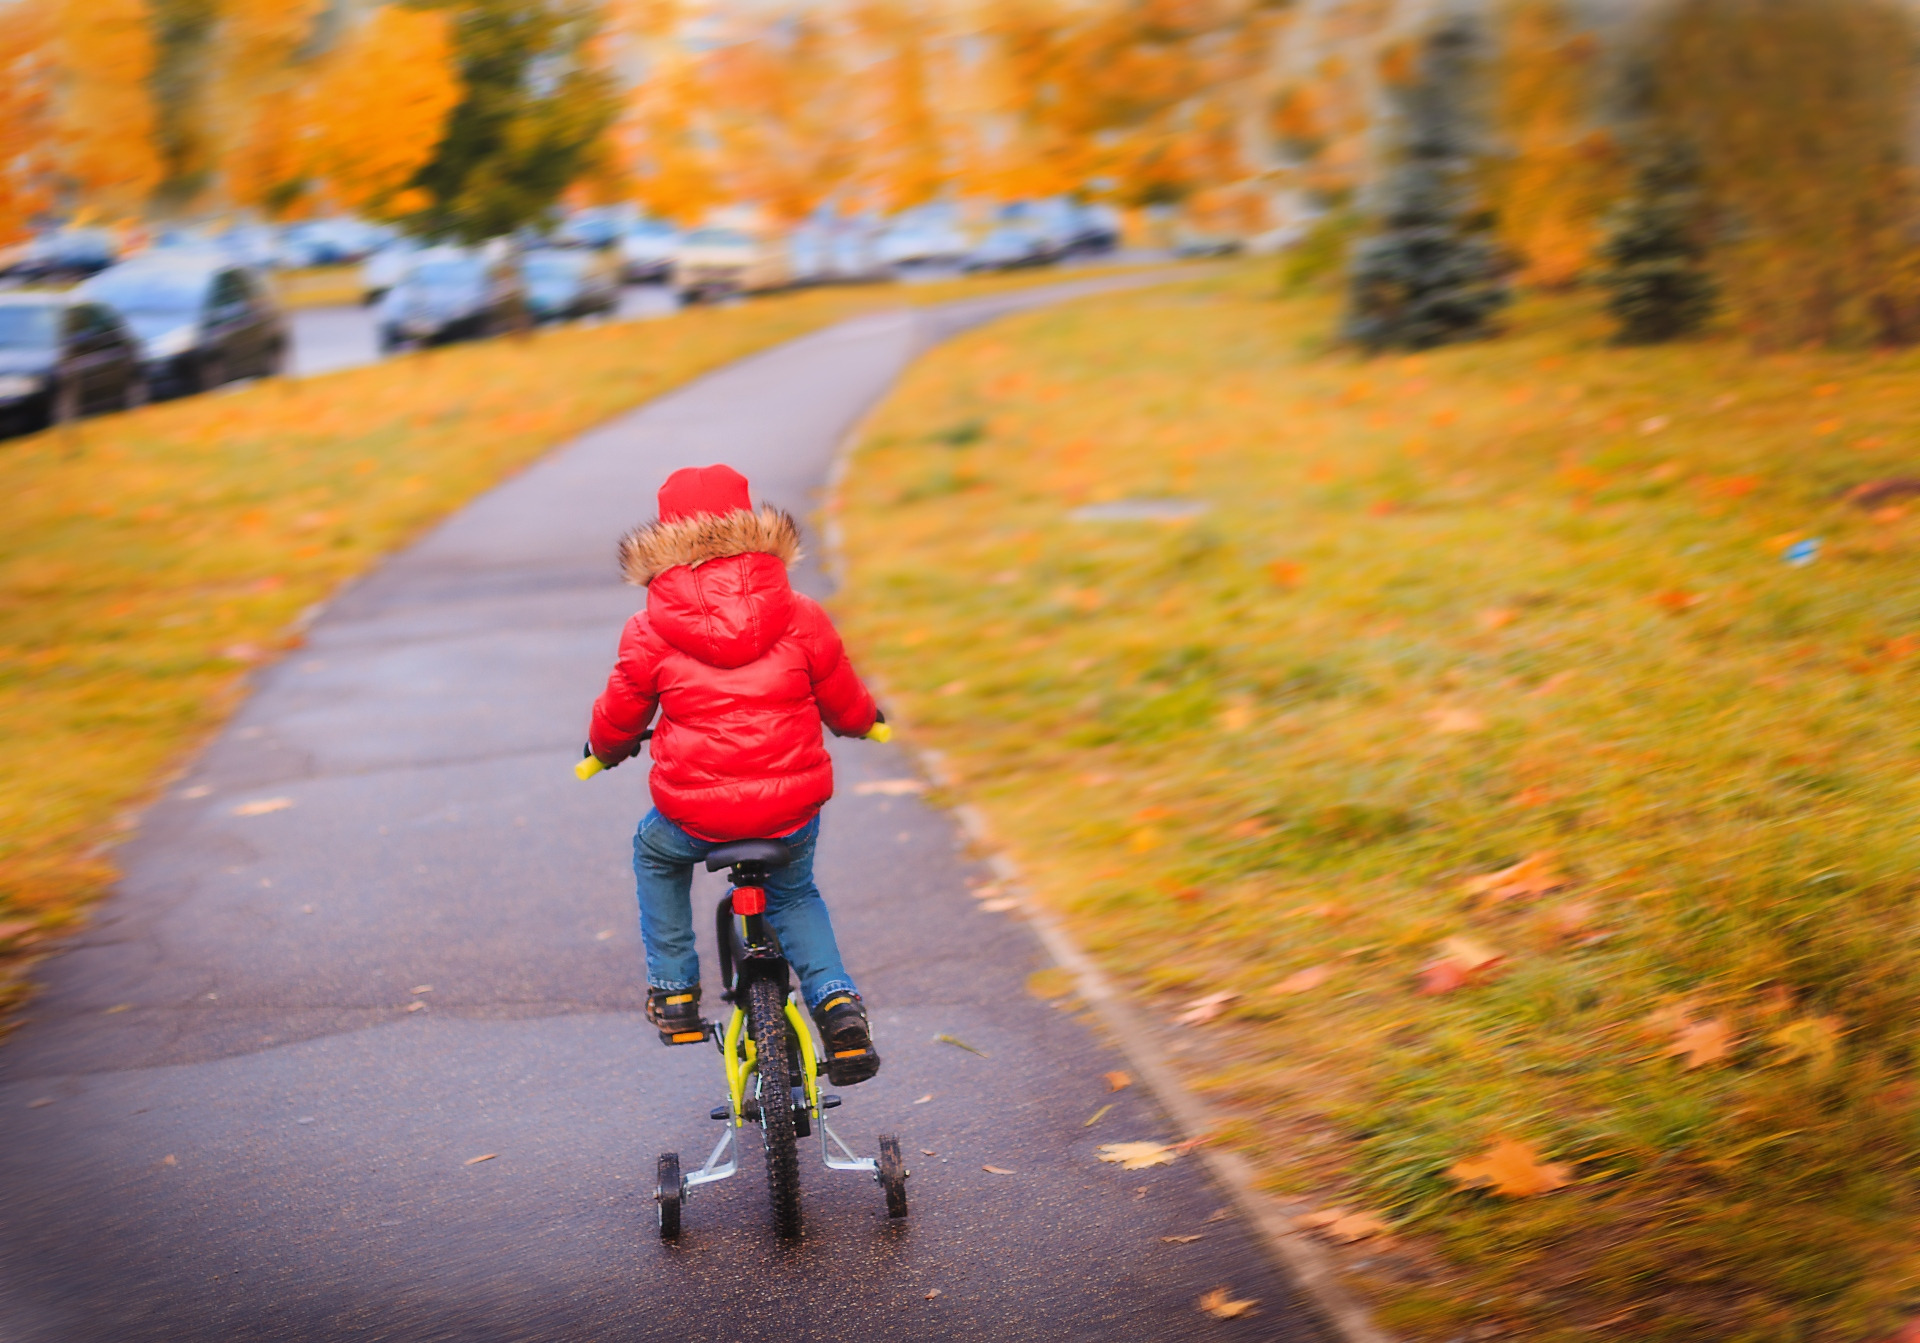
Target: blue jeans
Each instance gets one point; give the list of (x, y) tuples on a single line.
[(663, 859)]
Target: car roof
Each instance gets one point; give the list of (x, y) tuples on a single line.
[(39, 298)]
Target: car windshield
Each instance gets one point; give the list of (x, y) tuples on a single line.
[(553, 266), (448, 274), (718, 237), (28, 328), (151, 289)]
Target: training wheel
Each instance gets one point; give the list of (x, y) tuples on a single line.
[(667, 1195), (893, 1175)]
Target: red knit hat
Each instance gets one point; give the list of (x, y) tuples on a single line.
[(694, 490)]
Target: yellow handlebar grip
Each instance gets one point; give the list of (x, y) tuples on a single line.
[(880, 732), (587, 768)]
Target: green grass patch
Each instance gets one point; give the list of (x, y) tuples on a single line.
[(1445, 612)]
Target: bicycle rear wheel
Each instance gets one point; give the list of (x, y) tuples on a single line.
[(766, 1011)]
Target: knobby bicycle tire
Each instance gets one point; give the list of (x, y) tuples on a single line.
[(767, 1011)]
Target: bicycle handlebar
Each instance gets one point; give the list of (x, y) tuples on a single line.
[(590, 764)]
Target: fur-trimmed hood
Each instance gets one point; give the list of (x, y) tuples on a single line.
[(649, 551)]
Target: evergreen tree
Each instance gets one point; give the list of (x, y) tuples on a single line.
[(1433, 273), (533, 111), (1658, 286)]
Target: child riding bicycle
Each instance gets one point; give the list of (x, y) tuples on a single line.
[(743, 671)]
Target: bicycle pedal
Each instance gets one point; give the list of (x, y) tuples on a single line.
[(688, 1037), (722, 1112), (829, 1102)]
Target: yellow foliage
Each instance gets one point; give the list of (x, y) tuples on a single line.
[(105, 114), (25, 110), (1563, 171), (379, 107)]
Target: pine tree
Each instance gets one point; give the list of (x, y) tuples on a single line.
[(1655, 275), (1432, 274)]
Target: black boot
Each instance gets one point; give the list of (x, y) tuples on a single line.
[(851, 1057), (676, 1013)]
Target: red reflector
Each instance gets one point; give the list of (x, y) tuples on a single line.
[(749, 900)]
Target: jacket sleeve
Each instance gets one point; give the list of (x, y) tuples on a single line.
[(846, 706), (626, 706)]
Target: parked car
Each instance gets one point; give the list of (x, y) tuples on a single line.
[(450, 294), (200, 319), (564, 283), (717, 262), (62, 357), (67, 257), (923, 245), (1009, 249), (381, 271), (646, 251)]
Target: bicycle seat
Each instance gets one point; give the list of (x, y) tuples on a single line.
[(764, 852)]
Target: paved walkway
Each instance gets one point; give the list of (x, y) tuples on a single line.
[(224, 1121)]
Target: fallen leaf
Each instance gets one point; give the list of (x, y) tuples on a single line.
[(996, 1170), (928, 1151), (1701, 1042), (419, 989), (956, 1043), (117, 1008), (1530, 796), (1512, 1170), (1461, 961), (416, 1007), (924, 1099), (986, 891), (198, 790), (1180, 1240), (40, 1103), (1202, 1010), (1536, 874), (1342, 1224), (1677, 600), (1815, 1039), (932, 1293), (999, 906), (1144, 840), (263, 806), (1572, 918), (1118, 1081), (604, 935), (1220, 1304), (1300, 981), (1220, 1214), (1138, 1155), (1496, 618), (1284, 573), (476, 1160), (169, 1160), (890, 788), (1249, 829), (1445, 721)]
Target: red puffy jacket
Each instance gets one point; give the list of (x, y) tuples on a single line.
[(743, 670)]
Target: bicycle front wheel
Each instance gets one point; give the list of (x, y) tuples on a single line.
[(766, 1012)]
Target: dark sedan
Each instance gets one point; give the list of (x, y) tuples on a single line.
[(61, 358), (448, 294), (201, 321), (568, 283)]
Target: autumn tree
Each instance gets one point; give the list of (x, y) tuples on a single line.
[(103, 112), (26, 130), (1430, 275), (1560, 169), (253, 112), (377, 109), (1800, 111), (533, 108)]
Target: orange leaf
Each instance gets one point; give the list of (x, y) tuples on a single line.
[(1701, 1042), (1512, 1170), (1677, 600), (1118, 1081), (1496, 618), (1447, 721), (1284, 573), (1300, 981), (1202, 1010), (1220, 1304), (1536, 874), (1461, 961)]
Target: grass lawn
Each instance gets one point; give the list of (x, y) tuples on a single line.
[(318, 286), (151, 557), (1529, 607)]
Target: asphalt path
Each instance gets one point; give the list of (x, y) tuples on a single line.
[(380, 930)]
